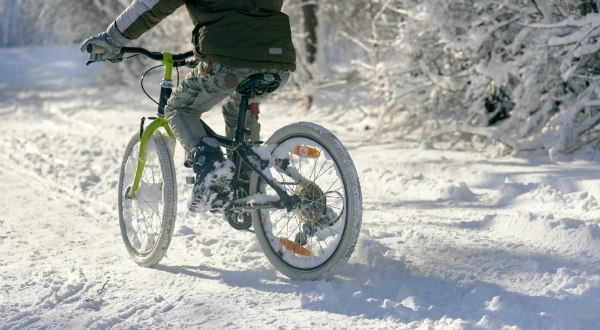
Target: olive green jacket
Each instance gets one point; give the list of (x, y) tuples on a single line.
[(238, 33)]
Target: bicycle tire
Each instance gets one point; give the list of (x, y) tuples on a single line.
[(276, 252), (163, 189)]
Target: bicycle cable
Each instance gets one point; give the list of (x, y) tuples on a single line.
[(142, 82), (144, 76)]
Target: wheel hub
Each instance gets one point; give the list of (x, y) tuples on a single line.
[(312, 202)]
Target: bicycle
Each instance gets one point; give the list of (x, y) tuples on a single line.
[(306, 232)]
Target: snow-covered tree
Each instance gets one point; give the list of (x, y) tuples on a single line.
[(18, 24), (518, 71)]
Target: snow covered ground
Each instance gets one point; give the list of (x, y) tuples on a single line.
[(451, 239)]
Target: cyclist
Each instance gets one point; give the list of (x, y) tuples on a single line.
[(234, 39)]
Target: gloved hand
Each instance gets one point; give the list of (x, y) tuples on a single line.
[(112, 40)]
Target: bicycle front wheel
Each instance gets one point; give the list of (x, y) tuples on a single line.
[(317, 238), (148, 219)]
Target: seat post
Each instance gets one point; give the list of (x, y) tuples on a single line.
[(240, 132), (240, 135)]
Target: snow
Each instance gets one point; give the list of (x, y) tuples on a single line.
[(148, 196), (451, 238)]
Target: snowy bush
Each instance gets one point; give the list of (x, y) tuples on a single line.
[(18, 24), (518, 71)]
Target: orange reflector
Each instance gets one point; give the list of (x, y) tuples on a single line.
[(296, 248), (305, 151), (220, 188)]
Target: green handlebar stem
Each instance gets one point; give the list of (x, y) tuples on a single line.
[(168, 63)]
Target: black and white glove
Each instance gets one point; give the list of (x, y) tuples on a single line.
[(112, 40)]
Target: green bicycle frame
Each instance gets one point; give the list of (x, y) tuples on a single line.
[(165, 93)]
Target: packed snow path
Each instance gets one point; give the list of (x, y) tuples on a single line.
[(451, 239)]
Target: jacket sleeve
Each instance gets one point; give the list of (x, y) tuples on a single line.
[(142, 15)]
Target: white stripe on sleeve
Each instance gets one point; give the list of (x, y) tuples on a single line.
[(131, 13)]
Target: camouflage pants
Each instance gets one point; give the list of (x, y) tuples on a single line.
[(197, 94)]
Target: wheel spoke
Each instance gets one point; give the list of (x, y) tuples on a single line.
[(289, 190), (280, 219), (302, 234), (322, 239), (331, 230), (144, 175), (287, 231), (314, 166), (336, 180), (137, 233), (150, 206), (319, 242), (317, 161), (320, 169), (325, 172), (317, 202), (146, 222), (282, 226)]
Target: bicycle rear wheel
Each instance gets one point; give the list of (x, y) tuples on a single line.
[(147, 222), (314, 241)]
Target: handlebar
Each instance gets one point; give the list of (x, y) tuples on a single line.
[(178, 59), (94, 49)]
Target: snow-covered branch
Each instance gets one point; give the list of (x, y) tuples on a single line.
[(496, 68)]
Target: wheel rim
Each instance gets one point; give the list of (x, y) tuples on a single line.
[(143, 216), (317, 171)]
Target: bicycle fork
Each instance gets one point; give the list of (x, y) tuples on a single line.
[(166, 86)]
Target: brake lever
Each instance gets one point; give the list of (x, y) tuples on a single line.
[(116, 60)]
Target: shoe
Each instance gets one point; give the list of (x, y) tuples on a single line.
[(212, 189)]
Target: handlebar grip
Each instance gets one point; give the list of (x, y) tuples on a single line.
[(94, 49)]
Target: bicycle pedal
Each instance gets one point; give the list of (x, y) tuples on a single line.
[(190, 180)]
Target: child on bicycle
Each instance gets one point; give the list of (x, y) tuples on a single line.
[(234, 39)]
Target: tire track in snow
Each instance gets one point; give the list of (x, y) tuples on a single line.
[(157, 302), (71, 290), (137, 314), (12, 166)]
